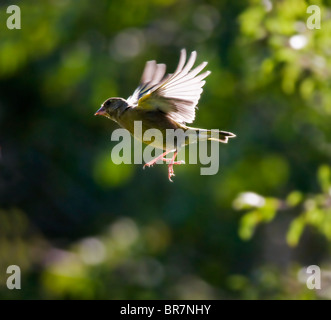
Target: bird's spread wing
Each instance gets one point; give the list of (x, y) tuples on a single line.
[(175, 94)]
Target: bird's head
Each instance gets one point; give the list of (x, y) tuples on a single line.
[(111, 107)]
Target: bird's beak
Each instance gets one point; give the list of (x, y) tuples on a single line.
[(101, 112)]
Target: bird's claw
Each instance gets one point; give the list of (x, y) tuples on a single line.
[(171, 172), (149, 164)]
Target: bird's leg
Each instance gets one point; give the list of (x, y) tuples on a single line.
[(152, 162), (172, 161)]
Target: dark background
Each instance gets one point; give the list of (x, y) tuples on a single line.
[(81, 227)]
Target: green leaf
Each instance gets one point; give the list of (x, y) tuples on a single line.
[(324, 178), (248, 224), (268, 211), (326, 226), (294, 198), (315, 217), (295, 231)]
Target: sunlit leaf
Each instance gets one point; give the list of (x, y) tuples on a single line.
[(294, 198), (324, 178), (295, 231), (248, 224)]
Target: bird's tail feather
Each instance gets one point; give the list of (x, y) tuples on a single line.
[(214, 135), (220, 136)]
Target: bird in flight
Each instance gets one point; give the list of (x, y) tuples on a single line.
[(164, 102)]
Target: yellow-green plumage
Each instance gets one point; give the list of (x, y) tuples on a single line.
[(164, 102)]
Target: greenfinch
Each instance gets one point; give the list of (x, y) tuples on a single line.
[(164, 102)]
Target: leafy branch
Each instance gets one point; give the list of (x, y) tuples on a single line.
[(314, 210)]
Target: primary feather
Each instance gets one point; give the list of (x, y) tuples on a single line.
[(176, 94)]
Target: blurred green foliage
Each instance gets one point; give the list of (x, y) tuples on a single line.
[(82, 227), (315, 210)]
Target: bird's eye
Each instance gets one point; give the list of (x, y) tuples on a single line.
[(108, 102)]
